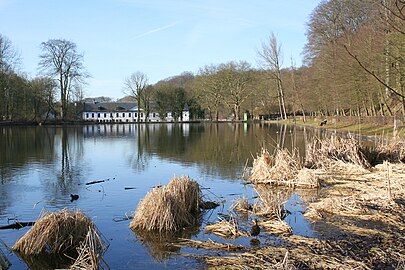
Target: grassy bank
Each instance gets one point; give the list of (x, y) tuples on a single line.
[(368, 129)]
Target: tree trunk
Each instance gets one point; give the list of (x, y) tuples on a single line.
[(236, 112), (138, 116)]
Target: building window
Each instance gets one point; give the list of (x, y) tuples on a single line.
[(87, 115), (111, 115), (167, 114), (118, 115), (98, 115), (129, 114), (92, 115), (154, 114), (105, 115), (136, 114), (141, 115)]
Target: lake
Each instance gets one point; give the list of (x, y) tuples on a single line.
[(41, 166)]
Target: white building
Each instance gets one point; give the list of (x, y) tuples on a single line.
[(119, 112)]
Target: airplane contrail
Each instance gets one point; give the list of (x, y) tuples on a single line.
[(155, 30)]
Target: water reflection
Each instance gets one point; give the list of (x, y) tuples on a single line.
[(41, 166)]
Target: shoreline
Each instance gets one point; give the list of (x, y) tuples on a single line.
[(364, 129)]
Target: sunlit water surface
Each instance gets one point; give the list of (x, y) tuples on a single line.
[(41, 166)]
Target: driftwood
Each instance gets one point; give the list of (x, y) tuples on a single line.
[(95, 182), (17, 225), (98, 181)]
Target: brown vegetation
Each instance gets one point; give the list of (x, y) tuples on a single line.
[(323, 153), (392, 150), (226, 228), (207, 245), (170, 207), (242, 205), (282, 169), (64, 234)]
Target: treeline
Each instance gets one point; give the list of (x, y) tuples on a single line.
[(20, 97), (34, 100), (354, 64)]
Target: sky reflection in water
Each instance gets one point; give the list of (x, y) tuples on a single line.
[(41, 166)]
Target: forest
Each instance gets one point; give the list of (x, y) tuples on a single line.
[(354, 65)]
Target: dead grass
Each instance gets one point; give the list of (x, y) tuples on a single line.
[(169, 208), (298, 253), (380, 186), (226, 229), (266, 258), (242, 205), (324, 153), (270, 203), (392, 150), (57, 233), (276, 226), (61, 237), (89, 253), (282, 169), (210, 245)]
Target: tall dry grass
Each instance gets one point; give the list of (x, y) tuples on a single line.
[(324, 153), (392, 150), (282, 169), (226, 228), (57, 233), (60, 238), (169, 208)]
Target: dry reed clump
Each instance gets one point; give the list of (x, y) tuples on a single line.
[(282, 169), (335, 205), (208, 245), (226, 229), (323, 153), (60, 233), (278, 227), (89, 251), (242, 205), (170, 207), (271, 202), (392, 151)]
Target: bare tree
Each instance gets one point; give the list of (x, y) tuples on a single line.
[(271, 59), (209, 90), (43, 89), (9, 57), (9, 61), (237, 77), (61, 61), (134, 86)]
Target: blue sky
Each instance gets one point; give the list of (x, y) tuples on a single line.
[(162, 38)]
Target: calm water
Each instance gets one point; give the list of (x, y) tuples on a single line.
[(41, 166)]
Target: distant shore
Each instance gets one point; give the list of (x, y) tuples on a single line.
[(348, 125), (80, 122)]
